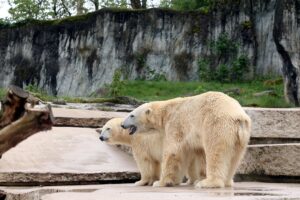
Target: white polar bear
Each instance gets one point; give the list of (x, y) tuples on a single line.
[(147, 149), (212, 122)]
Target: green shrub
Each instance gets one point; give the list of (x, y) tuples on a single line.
[(240, 67), (159, 77), (224, 46), (224, 64), (2, 93), (222, 73), (204, 70), (246, 24), (116, 85)]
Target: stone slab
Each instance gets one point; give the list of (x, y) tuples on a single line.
[(83, 118), (97, 106), (65, 155), (275, 122), (272, 160), (266, 122), (245, 190)]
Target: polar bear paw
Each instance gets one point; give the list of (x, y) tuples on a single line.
[(229, 183), (143, 183), (210, 183)]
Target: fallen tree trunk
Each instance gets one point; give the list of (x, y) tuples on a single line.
[(20, 118)]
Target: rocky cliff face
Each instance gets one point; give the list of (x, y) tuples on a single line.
[(78, 57)]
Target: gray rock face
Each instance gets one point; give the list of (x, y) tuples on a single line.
[(272, 160), (275, 122), (77, 58)]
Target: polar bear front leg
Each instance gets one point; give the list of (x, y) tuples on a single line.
[(148, 169), (171, 170)]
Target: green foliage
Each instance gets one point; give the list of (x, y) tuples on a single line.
[(223, 73), (2, 93), (115, 88), (246, 24), (224, 46), (240, 66), (33, 89), (159, 77), (114, 3), (224, 64), (38, 92), (186, 4), (205, 73), (29, 9)]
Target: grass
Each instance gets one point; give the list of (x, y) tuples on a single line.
[(150, 91), (162, 90), (2, 93)]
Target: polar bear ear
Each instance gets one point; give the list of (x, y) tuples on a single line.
[(148, 111)]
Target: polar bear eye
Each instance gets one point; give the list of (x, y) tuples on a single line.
[(108, 129), (132, 116)]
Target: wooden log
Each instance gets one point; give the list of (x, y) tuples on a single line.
[(21, 117)]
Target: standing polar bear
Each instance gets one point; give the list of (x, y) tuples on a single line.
[(147, 151), (211, 122)]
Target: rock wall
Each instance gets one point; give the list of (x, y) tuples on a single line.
[(78, 56)]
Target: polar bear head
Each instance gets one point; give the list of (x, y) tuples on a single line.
[(140, 119), (112, 133)]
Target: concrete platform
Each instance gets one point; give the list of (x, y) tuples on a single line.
[(72, 155), (245, 190), (83, 118)]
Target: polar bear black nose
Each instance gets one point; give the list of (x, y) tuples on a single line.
[(122, 125), (101, 138)]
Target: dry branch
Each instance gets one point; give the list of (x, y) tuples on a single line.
[(21, 117)]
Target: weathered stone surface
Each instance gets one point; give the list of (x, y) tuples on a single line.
[(65, 155), (245, 190), (79, 56), (83, 118), (97, 106), (275, 122), (49, 178), (272, 160)]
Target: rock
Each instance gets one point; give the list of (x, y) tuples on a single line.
[(273, 82), (265, 93), (233, 91), (59, 102), (83, 118), (102, 43), (274, 122), (272, 160)]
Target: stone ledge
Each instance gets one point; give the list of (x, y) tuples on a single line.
[(83, 118), (275, 122), (80, 122), (36, 179), (266, 122), (272, 160)]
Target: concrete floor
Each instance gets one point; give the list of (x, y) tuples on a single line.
[(64, 150), (242, 190)]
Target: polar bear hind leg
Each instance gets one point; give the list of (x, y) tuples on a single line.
[(219, 146)]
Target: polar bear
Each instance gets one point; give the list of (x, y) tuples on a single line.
[(147, 149), (211, 122)]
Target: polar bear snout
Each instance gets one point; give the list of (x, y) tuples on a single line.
[(128, 123), (101, 138)]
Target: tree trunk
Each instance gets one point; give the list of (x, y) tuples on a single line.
[(96, 4), (20, 118), (290, 71), (144, 4), (136, 4)]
